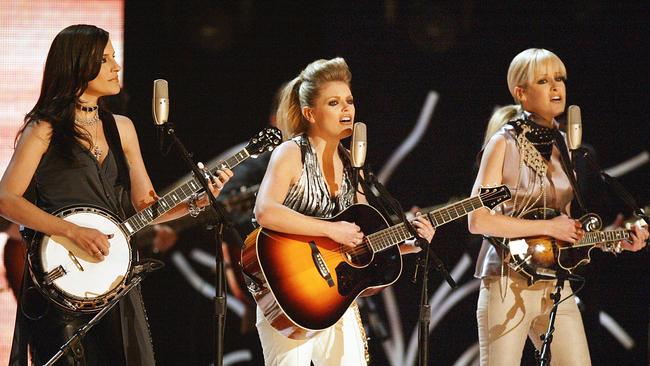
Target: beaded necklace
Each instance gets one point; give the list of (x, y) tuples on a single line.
[(87, 120)]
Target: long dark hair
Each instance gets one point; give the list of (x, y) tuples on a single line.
[(74, 59)]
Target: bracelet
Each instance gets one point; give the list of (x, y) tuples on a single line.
[(193, 209)]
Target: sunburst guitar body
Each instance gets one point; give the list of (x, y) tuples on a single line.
[(304, 284)]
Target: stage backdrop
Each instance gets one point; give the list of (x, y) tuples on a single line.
[(225, 60)]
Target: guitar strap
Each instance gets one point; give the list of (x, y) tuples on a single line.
[(123, 182), (567, 166)]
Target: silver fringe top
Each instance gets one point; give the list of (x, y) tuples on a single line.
[(309, 195)]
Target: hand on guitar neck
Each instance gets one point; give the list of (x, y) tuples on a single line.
[(422, 226), (638, 235), (350, 234)]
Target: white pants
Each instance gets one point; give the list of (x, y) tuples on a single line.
[(340, 344), (507, 315)]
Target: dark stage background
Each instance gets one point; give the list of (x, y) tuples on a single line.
[(224, 61)]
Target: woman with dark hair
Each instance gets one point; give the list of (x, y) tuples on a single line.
[(74, 152)]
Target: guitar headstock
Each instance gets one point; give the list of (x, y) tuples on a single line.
[(265, 140), (492, 197)]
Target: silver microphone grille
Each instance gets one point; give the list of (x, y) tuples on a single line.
[(574, 127), (160, 102), (359, 145)]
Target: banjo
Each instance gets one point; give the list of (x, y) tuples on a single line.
[(77, 281)]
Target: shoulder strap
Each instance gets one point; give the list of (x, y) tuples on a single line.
[(567, 166), (303, 144), (115, 144)]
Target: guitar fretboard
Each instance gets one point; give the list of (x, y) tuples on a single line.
[(178, 195), (596, 237), (396, 234)]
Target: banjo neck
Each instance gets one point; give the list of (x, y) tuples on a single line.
[(177, 196)]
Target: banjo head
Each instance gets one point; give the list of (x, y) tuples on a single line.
[(86, 283)]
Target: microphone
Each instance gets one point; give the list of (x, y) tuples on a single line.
[(574, 127), (160, 102), (358, 147), (160, 109)]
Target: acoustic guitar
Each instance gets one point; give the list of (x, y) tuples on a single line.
[(304, 284)]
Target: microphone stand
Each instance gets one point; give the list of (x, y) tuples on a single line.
[(139, 274), (620, 191), (424, 316), (384, 199), (220, 221), (422, 265), (623, 194), (544, 355)]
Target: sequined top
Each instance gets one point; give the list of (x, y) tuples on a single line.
[(310, 195), (525, 185)]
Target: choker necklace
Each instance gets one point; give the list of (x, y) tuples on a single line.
[(540, 136), (88, 116), (87, 109)]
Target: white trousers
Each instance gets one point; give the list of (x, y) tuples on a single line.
[(507, 315), (340, 344)]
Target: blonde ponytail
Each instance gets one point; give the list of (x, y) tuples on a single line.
[(303, 90), (499, 118), (289, 113)]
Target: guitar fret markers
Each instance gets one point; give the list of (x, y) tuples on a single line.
[(177, 196), (602, 237), (388, 237)]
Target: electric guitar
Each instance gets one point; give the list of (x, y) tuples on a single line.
[(304, 284)]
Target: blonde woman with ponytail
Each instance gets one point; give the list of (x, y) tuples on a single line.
[(508, 308), (308, 177)]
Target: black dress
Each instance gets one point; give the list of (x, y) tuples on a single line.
[(122, 337)]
